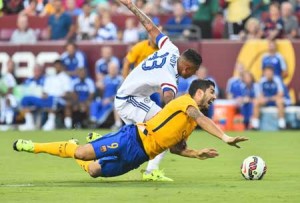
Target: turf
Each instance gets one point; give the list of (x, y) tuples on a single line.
[(42, 178)]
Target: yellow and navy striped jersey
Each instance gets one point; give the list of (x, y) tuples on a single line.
[(169, 127)]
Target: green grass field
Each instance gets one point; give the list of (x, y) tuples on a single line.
[(30, 178)]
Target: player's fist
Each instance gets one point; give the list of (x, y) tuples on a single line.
[(206, 153)]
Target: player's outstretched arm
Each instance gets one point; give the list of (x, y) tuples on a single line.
[(143, 18), (182, 150), (208, 125)]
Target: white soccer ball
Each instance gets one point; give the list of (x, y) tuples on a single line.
[(253, 168)]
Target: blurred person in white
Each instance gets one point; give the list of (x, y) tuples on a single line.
[(106, 29), (86, 23), (102, 107), (252, 30), (290, 21), (101, 65), (271, 93), (8, 102), (131, 32), (72, 9), (23, 34), (56, 94), (82, 95)]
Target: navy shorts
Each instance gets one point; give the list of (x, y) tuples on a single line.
[(120, 152)]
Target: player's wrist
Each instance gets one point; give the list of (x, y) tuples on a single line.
[(225, 138)]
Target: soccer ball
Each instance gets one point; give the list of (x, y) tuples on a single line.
[(253, 168)]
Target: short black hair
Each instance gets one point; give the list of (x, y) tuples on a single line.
[(200, 84), (192, 56)]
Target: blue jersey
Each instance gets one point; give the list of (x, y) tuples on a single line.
[(234, 87), (59, 26), (73, 62), (251, 91), (102, 64), (276, 61), (83, 88), (111, 85), (271, 88)]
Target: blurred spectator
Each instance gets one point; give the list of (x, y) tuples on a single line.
[(238, 12), (8, 102), (117, 8), (39, 5), (297, 6), (83, 93), (86, 23), (271, 94), (12, 6), (289, 20), (23, 34), (101, 64), (273, 26), (95, 3), (249, 91), (233, 88), (140, 3), (48, 9), (32, 88), (252, 30), (71, 8), (107, 30), (101, 108), (274, 59), (56, 93), (204, 17), (184, 84), (73, 59), (179, 22), (60, 23), (131, 32), (31, 9), (258, 7), (151, 11), (190, 5), (165, 5)]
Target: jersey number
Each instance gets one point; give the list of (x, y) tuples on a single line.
[(155, 61)]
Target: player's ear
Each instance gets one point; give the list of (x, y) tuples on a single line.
[(199, 93)]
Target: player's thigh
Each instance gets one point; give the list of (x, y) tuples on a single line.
[(112, 166)]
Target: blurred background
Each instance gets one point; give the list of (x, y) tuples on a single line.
[(62, 61)]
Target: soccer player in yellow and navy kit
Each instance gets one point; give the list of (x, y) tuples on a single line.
[(119, 152)]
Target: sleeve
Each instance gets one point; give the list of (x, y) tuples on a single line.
[(91, 86), (163, 42), (168, 83), (282, 62), (256, 90), (228, 86), (81, 59), (279, 84)]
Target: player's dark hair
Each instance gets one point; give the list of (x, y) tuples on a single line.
[(200, 84), (193, 56)]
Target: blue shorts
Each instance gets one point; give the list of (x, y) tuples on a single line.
[(120, 152)]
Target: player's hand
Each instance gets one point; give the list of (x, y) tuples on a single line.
[(206, 153), (234, 140), (126, 2)]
